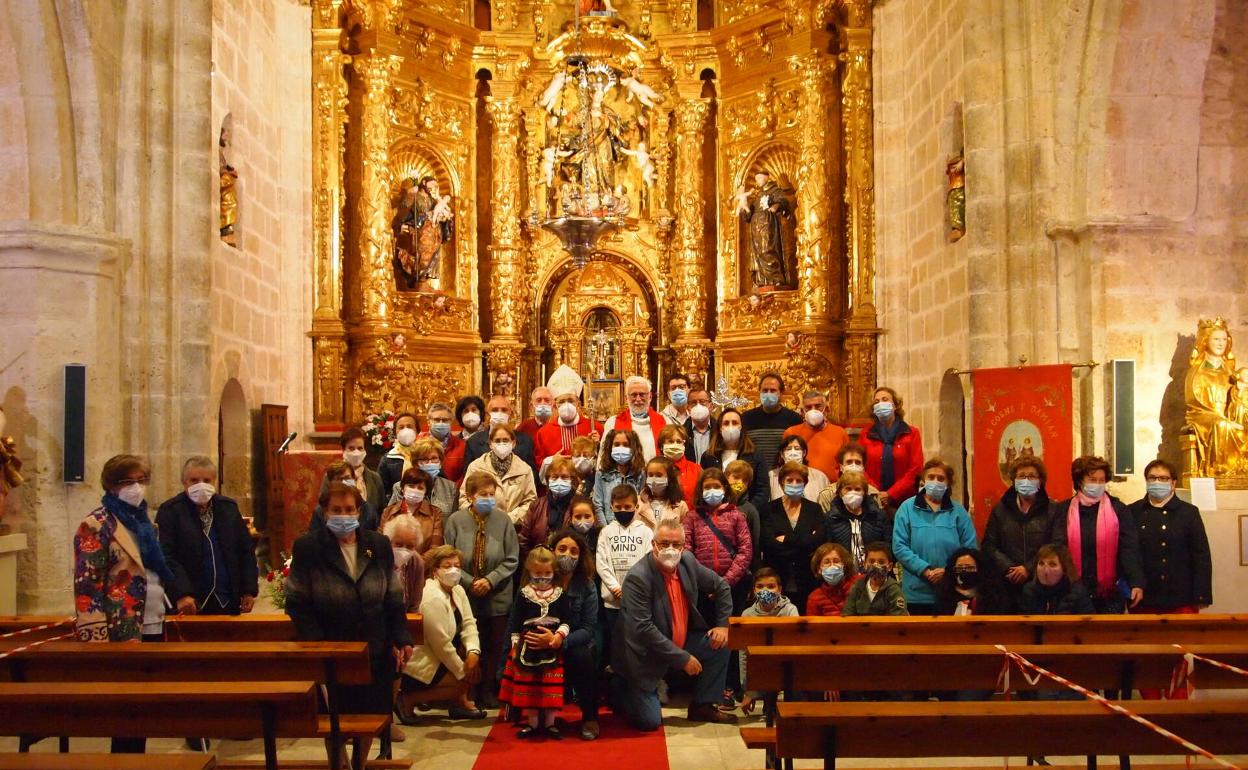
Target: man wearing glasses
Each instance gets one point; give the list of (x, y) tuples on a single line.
[(639, 416), (662, 630)]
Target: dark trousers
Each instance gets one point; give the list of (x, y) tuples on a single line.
[(640, 707), (581, 668), (494, 643)]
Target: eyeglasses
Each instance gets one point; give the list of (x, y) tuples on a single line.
[(1028, 476), (670, 543), (1165, 479), (638, 396)]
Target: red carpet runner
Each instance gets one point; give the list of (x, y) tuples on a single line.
[(619, 746)]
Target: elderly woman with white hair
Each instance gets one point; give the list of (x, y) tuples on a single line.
[(639, 417)]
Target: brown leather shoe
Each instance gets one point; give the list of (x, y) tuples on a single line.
[(706, 712)]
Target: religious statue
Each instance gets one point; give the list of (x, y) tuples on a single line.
[(423, 224), (10, 468), (1217, 405), (229, 191), (767, 211), (955, 199), (596, 8), (597, 148)]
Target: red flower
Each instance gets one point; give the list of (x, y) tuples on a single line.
[(285, 572), (88, 543), (117, 592), (269, 577), (83, 603)]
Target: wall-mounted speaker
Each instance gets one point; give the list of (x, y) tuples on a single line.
[(1122, 374), (75, 445)]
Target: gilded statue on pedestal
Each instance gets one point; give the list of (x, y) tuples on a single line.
[(767, 213), (229, 191), (10, 469), (955, 199), (424, 223), (1216, 394)]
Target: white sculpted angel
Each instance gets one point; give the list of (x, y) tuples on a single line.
[(640, 91), (641, 157), (550, 155), (550, 97)]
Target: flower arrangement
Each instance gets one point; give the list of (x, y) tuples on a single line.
[(275, 582), (379, 429)]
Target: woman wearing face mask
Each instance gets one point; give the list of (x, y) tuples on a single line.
[(342, 588), (407, 542), (970, 587), (582, 650), (341, 473), (487, 538), (927, 530), (443, 494), (451, 444), (731, 443), (470, 413), (894, 449), (1019, 524), (793, 450), (621, 462), (718, 536), (585, 460), (662, 496), (672, 446), (1174, 549), (513, 476), (361, 476), (792, 528), (854, 518), (835, 573), (447, 663), (1051, 591), (414, 501), (549, 513), (399, 458), (851, 458), (1102, 538)]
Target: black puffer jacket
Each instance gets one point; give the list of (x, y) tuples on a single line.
[(1065, 598), (1011, 537)]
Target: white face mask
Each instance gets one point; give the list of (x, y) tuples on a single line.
[(853, 500), (348, 482), (406, 436), (133, 494), (793, 455), (814, 418), (413, 495), (700, 413), (503, 449), (567, 412), (353, 457), (200, 493), (583, 464), (499, 417), (668, 557), (470, 420), (657, 484), (448, 576), (731, 433), (851, 465), (674, 450)]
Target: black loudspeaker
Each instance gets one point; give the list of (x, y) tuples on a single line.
[(1123, 374), (75, 423)]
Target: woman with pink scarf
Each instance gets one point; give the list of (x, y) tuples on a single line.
[(1103, 541)]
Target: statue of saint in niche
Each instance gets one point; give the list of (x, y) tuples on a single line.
[(424, 223), (1216, 394), (767, 213)]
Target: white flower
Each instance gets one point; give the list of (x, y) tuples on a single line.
[(377, 439)]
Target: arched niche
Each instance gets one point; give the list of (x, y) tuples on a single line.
[(779, 160), (410, 162), (234, 446)]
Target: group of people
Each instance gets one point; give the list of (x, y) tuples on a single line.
[(554, 555)]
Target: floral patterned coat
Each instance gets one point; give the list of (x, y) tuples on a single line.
[(110, 582)]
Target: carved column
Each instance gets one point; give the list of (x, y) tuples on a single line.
[(329, 119), (507, 292), (376, 240), (814, 232), (661, 152), (689, 259), (862, 331)]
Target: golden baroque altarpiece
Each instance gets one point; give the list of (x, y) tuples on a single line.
[(431, 142)]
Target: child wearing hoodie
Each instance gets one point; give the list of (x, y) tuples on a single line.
[(879, 593), (834, 568), (769, 602)]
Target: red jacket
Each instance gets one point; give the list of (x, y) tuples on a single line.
[(452, 457), (531, 427), (689, 472), (828, 600), (708, 549), (907, 461), (549, 439)]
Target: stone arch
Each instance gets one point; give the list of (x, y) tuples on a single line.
[(234, 445), (951, 431)]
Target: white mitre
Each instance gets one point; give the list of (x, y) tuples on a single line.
[(565, 381)]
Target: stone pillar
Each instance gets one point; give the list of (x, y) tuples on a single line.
[(689, 259), (815, 229), (329, 103), (509, 289)]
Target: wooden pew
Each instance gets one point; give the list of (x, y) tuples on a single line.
[(831, 731), (329, 663), (1002, 629), (192, 628), (163, 710), (977, 667), (107, 762)]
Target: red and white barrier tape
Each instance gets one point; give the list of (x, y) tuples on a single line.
[(33, 645), (34, 629), (1183, 671), (1025, 665)]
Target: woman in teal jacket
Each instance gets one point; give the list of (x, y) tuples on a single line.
[(929, 527)]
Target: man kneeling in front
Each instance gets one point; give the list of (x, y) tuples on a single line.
[(660, 629)]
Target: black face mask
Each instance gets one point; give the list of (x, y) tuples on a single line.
[(966, 578), (877, 571), (624, 517)]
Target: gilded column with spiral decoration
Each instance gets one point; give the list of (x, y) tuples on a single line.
[(689, 258), (376, 240), (507, 291), (814, 233)]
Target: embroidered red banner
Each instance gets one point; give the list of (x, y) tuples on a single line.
[(1019, 412)]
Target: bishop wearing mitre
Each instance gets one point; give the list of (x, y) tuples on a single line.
[(556, 436)]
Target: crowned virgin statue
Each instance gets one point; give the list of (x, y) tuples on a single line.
[(1216, 393)]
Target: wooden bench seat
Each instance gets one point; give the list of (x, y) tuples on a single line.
[(107, 762), (1019, 728), (271, 627)]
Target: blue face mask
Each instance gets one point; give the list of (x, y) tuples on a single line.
[(883, 409), (440, 430), (769, 400), (341, 525), (544, 411), (584, 525), (621, 454), (559, 487), (794, 490), (935, 489), (766, 597), (1026, 487), (433, 469), (1159, 490), (832, 574), (1094, 491), (679, 397), (485, 504), (713, 496)]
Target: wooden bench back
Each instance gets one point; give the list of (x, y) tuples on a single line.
[(978, 667), (188, 661), (1001, 629), (192, 628), (81, 761)]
